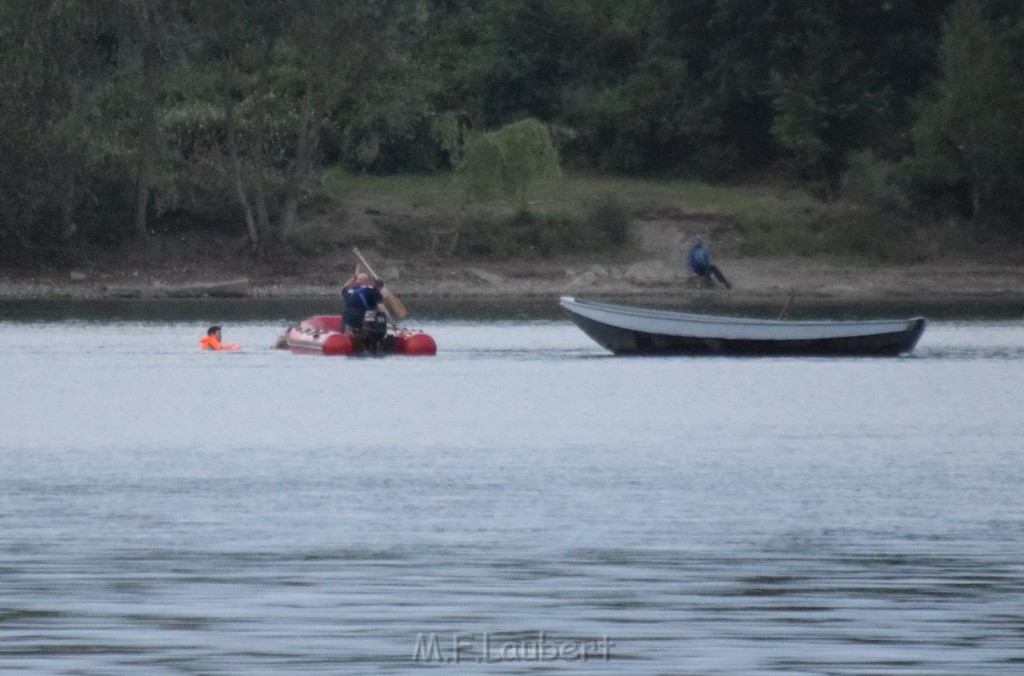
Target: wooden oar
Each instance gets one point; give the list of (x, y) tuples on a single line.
[(392, 300), (785, 308)]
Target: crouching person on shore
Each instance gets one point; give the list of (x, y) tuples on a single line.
[(698, 259)]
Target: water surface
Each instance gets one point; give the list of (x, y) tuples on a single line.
[(166, 510)]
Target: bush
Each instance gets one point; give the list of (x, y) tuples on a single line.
[(508, 163), (609, 218), (873, 182), (841, 231), (525, 234)]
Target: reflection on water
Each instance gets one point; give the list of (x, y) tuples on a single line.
[(516, 503)]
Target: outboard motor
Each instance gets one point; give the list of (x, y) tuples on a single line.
[(375, 327)]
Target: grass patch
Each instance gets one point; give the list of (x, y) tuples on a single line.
[(578, 213), (405, 190), (525, 234)]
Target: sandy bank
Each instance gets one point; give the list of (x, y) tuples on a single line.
[(754, 280)]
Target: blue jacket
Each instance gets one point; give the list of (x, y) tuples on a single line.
[(361, 298), (358, 299), (698, 258)]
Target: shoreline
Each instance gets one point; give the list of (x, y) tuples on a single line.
[(754, 281)]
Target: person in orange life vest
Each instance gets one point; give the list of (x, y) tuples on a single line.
[(211, 341)]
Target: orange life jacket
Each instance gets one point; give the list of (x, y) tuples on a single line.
[(211, 343)]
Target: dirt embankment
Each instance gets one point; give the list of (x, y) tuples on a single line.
[(653, 266)]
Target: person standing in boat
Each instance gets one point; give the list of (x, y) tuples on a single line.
[(698, 258), (211, 341), (365, 316)]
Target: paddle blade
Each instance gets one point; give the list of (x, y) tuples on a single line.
[(397, 309), (395, 305)]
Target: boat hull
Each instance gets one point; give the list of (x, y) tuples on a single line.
[(627, 330), (322, 334)]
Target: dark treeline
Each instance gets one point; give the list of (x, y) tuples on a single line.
[(124, 117)]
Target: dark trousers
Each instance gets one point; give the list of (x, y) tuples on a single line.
[(712, 270), (353, 318), (368, 328)]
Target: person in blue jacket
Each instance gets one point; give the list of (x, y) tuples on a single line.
[(698, 258), (365, 315)]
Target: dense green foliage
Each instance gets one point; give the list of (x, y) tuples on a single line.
[(123, 117), (507, 163), (970, 133)]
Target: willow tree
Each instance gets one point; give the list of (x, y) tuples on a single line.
[(508, 163)]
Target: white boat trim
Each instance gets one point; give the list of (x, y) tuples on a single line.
[(670, 323)]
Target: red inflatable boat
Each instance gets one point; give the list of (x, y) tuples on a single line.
[(321, 334)]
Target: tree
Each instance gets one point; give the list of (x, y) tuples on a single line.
[(970, 135), (840, 74), (642, 100), (537, 40), (507, 163), (285, 68), (152, 35), (63, 160)]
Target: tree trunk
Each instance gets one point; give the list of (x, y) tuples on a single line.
[(234, 161), (147, 120), (237, 175), (259, 154), (300, 166), (68, 227)]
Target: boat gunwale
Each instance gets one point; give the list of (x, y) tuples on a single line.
[(675, 315)]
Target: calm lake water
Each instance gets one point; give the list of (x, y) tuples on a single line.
[(523, 501)]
